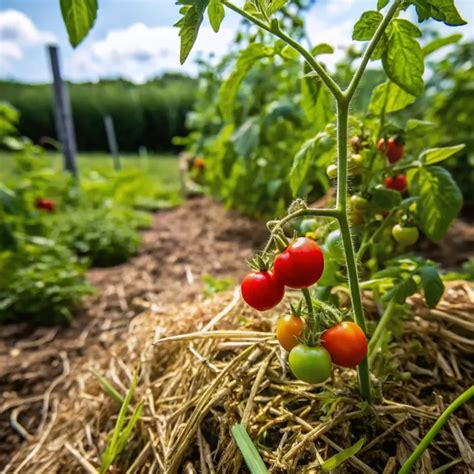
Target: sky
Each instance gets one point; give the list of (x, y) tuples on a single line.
[(135, 39)]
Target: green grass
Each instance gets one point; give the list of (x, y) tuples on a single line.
[(163, 168)]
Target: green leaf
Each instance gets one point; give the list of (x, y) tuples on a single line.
[(8, 199), (366, 26), (381, 47), (435, 155), (302, 163), (229, 89), (289, 52), (389, 97), (401, 291), (246, 138), (439, 43), (108, 388), (276, 5), (440, 10), (317, 100), (440, 199), (79, 17), (433, 287), (341, 457), (322, 48), (249, 452), (382, 4), (189, 25), (216, 14), (418, 128), (383, 198), (403, 58)]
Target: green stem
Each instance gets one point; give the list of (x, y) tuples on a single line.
[(368, 242), (349, 93), (427, 440), (275, 30), (376, 338), (315, 326)]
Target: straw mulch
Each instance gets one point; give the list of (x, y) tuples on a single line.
[(196, 387)]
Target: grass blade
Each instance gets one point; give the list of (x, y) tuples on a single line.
[(108, 389), (335, 461), (249, 451)]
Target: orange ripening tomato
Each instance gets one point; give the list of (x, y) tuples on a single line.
[(289, 329), (199, 163)]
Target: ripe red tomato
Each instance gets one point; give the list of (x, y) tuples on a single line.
[(346, 343), (289, 328), (310, 364), (300, 265), (45, 204), (261, 290), (399, 183), (394, 149)]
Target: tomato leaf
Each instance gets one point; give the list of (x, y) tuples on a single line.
[(322, 48), (189, 25), (341, 457), (366, 26), (439, 202), (401, 291), (276, 5), (229, 89), (79, 17), (385, 198), (216, 14), (382, 4), (389, 97), (403, 58), (246, 138), (317, 100), (440, 10), (302, 163), (435, 155), (418, 128), (439, 43), (433, 287)]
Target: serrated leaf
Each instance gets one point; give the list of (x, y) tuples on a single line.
[(366, 26), (403, 58), (302, 163), (440, 199), (435, 155), (189, 26), (433, 287), (230, 87), (439, 43), (216, 14), (79, 17), (341, 457), (389, 97)]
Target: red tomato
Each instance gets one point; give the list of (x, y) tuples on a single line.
[(399, 183), (346, 343), (261, 290), (289, 328), (394, 150), (45, 204), (300, 265)]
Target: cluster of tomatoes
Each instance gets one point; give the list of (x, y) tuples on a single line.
[(45, 204), (299, 266)]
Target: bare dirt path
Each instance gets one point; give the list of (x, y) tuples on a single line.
[(185, 243)]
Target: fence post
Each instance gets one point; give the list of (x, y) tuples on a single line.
[(62, 112), (112, 141)]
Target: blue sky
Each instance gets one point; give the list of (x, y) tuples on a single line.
[(135, 38)]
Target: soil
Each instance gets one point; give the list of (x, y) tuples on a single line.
[(200, 237)]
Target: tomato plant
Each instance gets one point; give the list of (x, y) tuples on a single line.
[(405, 236), (397, 183), (262, 290), (393, 148), (335, 246), (289, 329)]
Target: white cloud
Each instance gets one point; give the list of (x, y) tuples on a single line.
[(140, 52), (17, 33)]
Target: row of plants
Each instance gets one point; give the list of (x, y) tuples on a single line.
[(149, 114), (53, 228)]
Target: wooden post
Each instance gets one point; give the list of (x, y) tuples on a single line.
[(112, 140), (62, 112)]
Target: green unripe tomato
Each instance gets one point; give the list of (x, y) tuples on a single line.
[(331, 267), (310, 364), (405, 236), (356, 159), (358, 202), (335, 246), (308, 225), (331, 171)]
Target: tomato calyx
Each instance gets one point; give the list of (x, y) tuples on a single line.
[(260, 263)]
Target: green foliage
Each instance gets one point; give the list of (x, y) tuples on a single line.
[(79, 17), (149, 114), (341, 457), (216, 285)]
